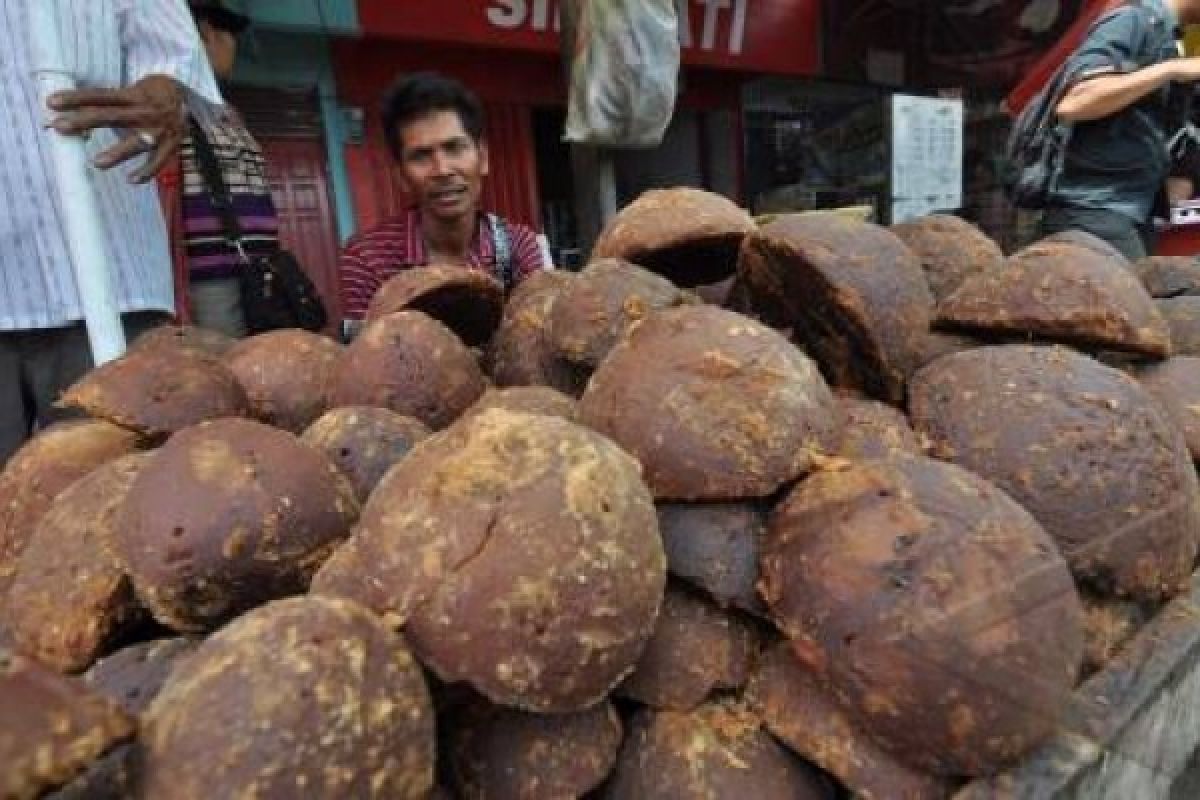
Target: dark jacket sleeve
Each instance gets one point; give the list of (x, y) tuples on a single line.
[(1119, 42)]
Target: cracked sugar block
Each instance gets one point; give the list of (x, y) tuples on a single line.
[(951, 250), (941, 343), (1065, 293), (804, 717), (187, 337), (1183, 318), (1078, 238), (1175, 384), (715, 547), (719, 750), (113, 776), (520, 354), (1083, 447), (872, 429), (364, 442), (226, 516), (714, 405), (286, 375), (51, 727), (1169, 276), (689, 236), (923, 598), (70, 598), (696, 649), (131, 677), (308, 697), (45, 466), (134, 675), (158, 391), (597, 309), (854, 295), (467, 301), (521, 555), (526, 399), (496, 753), (412, 364)]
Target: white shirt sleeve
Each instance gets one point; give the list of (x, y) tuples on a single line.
[(159, 37)]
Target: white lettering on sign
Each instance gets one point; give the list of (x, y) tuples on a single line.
[(507, 14), (684, 9), (536, 14), (708, 39), (714, 17), (541, 11), (737, 33)]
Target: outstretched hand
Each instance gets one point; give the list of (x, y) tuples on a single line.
[(150, 112)]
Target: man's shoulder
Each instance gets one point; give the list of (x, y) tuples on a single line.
[(1134, 20), (516, 229)]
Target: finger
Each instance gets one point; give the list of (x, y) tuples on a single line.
[(81, 98), (119, 153), (167, 149), (89, 119)]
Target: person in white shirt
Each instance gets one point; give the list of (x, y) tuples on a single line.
[(138, 63)]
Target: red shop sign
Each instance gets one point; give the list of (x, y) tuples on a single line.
[(777, 36)]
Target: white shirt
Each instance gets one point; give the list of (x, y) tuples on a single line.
[(112, 43)]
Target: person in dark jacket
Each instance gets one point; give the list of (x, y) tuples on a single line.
[(1123, 112)]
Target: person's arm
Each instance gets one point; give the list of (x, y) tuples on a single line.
[(164, 66), (160, 38), (1118, 63), (1105, 94)]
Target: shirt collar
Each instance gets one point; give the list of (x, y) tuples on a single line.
[(416, 239)]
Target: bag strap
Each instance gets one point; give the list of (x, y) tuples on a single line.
[(209, 168), (502, 244), (1044, 105)]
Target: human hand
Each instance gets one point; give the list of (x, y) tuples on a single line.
[(151, 110), (1185, 70)]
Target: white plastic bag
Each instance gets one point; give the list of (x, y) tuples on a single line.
[(624, 73)]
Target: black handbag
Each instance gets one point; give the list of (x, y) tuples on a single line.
[(275, 291)]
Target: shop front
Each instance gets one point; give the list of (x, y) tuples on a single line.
[(509, 52)]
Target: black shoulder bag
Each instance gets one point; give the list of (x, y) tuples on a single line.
[(275, 291)]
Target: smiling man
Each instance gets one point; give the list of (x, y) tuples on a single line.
[(434, 129)]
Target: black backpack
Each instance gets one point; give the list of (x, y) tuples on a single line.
[(1038, 141)]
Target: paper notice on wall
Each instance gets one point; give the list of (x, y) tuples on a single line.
[(927, 155)]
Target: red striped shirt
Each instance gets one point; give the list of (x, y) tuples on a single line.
[(375, 255)]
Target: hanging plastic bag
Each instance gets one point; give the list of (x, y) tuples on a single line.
[(624, 72)]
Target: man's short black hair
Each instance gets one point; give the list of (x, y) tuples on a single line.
[(420, 93)]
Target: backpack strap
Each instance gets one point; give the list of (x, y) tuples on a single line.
[(502, 245)]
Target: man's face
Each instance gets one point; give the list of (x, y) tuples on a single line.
[(221, 46), (441, 166)]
